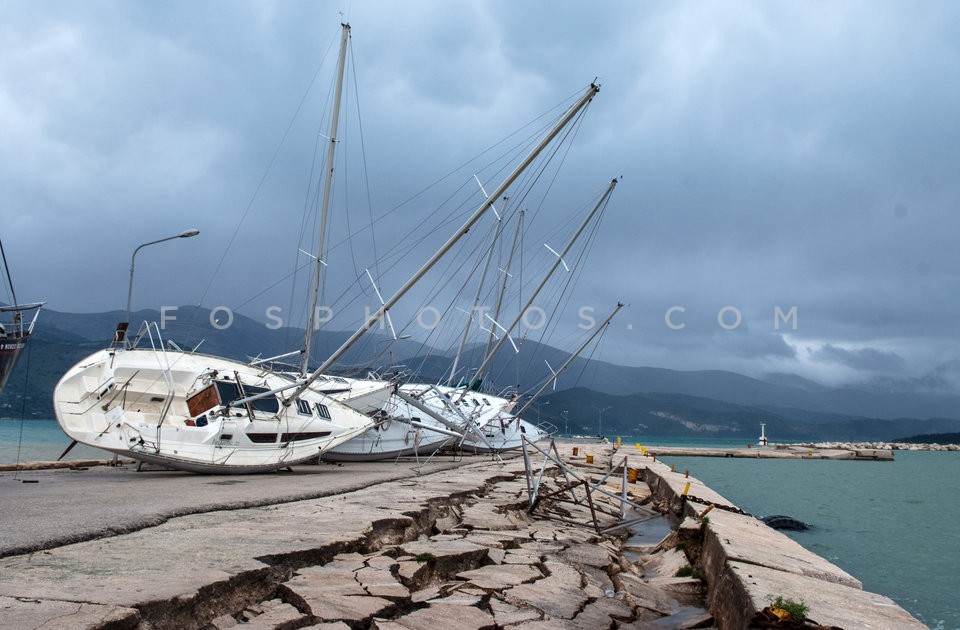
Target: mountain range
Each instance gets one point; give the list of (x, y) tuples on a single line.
[(634, 400)]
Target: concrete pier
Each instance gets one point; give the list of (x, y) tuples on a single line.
[(380, 546), (778, 451)]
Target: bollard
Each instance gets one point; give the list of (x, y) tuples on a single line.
[(618, 442), (673, 468), (686, 489), (632, 475), (643, 450), (589, 459), (638, 446), (576, 450), (687, 474)]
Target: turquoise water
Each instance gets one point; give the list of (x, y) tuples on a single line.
[(893, 525), (39, 440)]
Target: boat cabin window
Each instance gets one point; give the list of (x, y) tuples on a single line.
[(322, 411), (267, 404), (303, 407), (228, 392)]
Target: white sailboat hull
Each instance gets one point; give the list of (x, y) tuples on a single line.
[(395, 437), (504, 436), (174, 409)]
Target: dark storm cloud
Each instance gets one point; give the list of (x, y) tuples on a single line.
[(869, 359), (774, 155)]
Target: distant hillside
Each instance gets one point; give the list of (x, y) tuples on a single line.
[(930, 438), (641, 399), (679, 415)]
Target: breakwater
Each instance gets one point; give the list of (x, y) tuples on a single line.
[(777, 451), (456, 545)]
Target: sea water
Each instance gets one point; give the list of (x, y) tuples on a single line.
[(892, 525), (39, 440)]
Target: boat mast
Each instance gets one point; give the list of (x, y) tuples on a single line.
[(570, 359), (476, 301), (378, 315), (325, 206), (506, 276), (506, 332)]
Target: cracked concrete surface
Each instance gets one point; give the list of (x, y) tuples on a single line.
[(454, 547)]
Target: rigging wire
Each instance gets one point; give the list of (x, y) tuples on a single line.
[(6, 268), (23, 406), (263, 179)]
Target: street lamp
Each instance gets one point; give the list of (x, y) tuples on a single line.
[(566, 428), (600, 421), (538, 409), (185, 234)]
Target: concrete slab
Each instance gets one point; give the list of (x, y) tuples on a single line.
[(645, 595), (599, 613), (352, 609), (274, 614), (582, 553), (506, 614), (33, 613), (497, 577), (745, 539), (447, 616), (560, 594), (833, 605)]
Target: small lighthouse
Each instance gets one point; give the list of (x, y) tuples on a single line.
[(763, 434)]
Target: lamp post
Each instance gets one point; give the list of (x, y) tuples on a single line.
[(566, 422), (600, 421), (538, 409), (185, 234)]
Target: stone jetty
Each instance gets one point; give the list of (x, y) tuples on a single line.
[(780, 451), (456, 547)]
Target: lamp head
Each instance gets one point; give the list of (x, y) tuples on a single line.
[(189, 233)]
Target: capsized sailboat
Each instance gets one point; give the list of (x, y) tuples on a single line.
[(202, 413)]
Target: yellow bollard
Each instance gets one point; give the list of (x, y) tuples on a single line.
[(589, 459), (686, 489), (638, 446), (632, 475), (673, 468), (618, 442), (643, 450)]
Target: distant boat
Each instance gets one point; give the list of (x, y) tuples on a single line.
[(16, 326)]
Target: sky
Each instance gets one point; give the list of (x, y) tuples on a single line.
[(788, 200)]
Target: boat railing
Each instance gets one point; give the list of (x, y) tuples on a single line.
[(547, 427), (161, 354), (17, 320)]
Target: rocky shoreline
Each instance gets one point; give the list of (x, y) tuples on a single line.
[(887, 446)]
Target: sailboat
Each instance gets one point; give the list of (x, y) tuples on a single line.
[(504, 435), (16, 326), (207, 414), (201, 413)]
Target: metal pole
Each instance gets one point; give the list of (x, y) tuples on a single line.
[(185, 234), (376, 317), (543, 283), (325, 206)]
